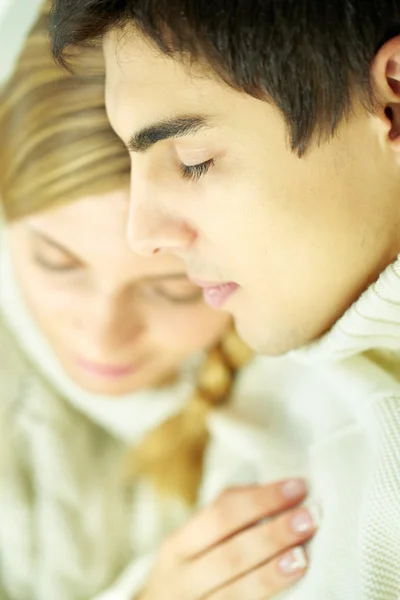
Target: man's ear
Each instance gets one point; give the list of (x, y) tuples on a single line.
[(385, 76)]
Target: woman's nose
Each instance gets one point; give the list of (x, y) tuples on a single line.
[(111, 325)]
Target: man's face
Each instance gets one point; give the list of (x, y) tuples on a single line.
[(296, 240)]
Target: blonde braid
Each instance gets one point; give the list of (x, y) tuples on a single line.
[(171, 456)]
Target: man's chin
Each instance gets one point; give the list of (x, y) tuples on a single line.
[(267, 340)]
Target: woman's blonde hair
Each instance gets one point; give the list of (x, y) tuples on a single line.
[(57, 147), (56, 143), (173, 454)]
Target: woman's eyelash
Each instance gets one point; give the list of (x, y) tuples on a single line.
[(195, 172), (191, 298), (55, 268)]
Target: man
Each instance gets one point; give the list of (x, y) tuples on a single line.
[(264, 142), (265, 145)]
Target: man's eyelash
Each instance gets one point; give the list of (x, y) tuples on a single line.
[(195, 172)]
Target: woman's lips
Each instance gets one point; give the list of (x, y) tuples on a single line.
[(106, 371), (216, 294)]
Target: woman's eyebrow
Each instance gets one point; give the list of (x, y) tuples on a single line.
[(51, 242)]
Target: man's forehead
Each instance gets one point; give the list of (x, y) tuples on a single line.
[(143, 101), (133, 59), (130, 57), (144, 88)]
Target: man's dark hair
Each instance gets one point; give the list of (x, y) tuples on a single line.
[(306, 56)]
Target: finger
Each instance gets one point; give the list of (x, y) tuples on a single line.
[(267, 580), (250, 548), (235, 510)]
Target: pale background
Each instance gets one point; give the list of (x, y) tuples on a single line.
[(16, 17)]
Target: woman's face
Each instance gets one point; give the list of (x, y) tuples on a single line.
[(117, 322)]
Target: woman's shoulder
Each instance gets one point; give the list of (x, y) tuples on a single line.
[(14, 367), (14, 381), (25, 394), (29, 404)]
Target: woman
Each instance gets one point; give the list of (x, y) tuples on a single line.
[(106, 397)]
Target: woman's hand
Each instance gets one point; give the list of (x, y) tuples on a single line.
[(246, 545)]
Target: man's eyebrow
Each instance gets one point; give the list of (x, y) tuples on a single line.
[(169, 128)]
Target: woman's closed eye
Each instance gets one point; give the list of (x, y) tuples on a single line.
[(173, 292), (55, 260), (64, 266), (52, 257)]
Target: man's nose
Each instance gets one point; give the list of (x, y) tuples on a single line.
[(152, 228)]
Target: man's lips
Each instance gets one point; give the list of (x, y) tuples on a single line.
[(215, 294)]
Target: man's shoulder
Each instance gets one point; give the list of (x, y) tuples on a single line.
[(344, 386)]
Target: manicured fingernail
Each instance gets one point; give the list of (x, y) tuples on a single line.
[(293, 561), (293, 488), (302, 521)]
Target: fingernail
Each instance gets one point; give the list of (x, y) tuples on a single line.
[(302, 521), (293, 488), (293, 561)]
